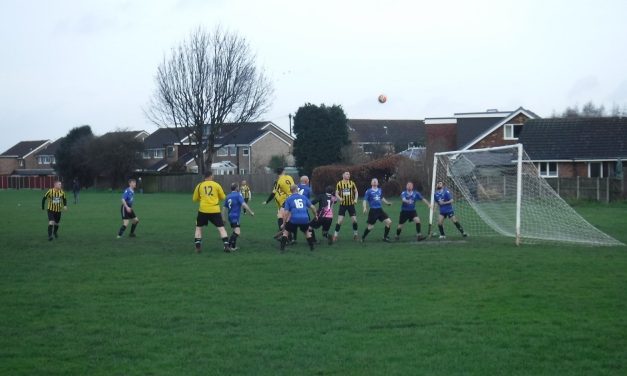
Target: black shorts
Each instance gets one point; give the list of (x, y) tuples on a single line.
[(292, 227), (349, 208), (234, 222), (448, 215), (127, 215), (203, 219), (325, 223), (54, 216), (375, 215), (407, 216)]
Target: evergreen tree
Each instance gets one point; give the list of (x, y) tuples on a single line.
[(321, 133)]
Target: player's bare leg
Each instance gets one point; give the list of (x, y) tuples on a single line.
[(51, 225), (233, 238), (459, 226), (310, 239), (225, 239), (133, 227), (198, 238), (355, 232), (123, 228), (441, 226), (386, 231), (419, 236), (399, 229), (338, 224)]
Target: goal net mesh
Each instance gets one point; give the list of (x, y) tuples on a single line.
[(484, 188)]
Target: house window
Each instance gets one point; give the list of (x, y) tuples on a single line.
[(44, 159), (245, 152), (242, 171), (232, 150), (146, 154), (21, 163), (548, 169), (512, 131), (159, 153), (170, 151), (598, 170), (223, 152)]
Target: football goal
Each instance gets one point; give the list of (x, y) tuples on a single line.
[(498, 192)]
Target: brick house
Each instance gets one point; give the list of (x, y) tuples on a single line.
[(378, 137), (240, 149), (250, 146), (578, 147), (22, 156), (475, 130)]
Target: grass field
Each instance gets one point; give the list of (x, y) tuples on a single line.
[(90, 304)]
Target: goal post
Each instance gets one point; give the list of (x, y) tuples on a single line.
[(498, 191)]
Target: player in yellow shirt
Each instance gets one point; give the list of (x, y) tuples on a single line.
[(280, 193), (245, 190), (57, 201), (209, 193)]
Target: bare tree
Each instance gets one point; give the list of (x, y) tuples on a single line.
[(208, 80)]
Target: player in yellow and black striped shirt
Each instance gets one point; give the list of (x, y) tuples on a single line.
[(57, 202), (244, 189), (347, 194)]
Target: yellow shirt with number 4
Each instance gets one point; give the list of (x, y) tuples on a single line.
[(209, 193)]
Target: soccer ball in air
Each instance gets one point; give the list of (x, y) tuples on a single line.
[(382, 98)]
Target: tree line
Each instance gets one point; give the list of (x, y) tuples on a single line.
[(82, 155)]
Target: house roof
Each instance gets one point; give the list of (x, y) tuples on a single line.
[(24, 148), (386, 131), (241, 133), (129, 134), (469, 128), (575, 139), (51, 148), (162, 137)]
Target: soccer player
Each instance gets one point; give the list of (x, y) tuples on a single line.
[(408, 210), (280, 192), (209, 193), (347, 194), (373, 198), (324, 219), (57, 201), (444, 198), (244, 189), (128, 214), (305, 190), (232, 207), (297, 216), (303, 187)]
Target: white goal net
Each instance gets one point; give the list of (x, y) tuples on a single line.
[(498, 191)]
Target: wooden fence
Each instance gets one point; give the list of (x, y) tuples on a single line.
[(187, 182), (27, 182), (599, 189)]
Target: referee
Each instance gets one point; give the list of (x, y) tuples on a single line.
[(346, 193), (57, 201)]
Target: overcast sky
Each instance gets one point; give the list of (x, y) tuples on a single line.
[(66, 63)]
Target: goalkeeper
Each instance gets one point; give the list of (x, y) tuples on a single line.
[(444, 198)]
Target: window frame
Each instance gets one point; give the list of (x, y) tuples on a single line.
[(546, 173), (245, 152), (222, 152), (512, 127)]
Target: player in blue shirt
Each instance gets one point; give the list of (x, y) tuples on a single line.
[(444, 199), (408, 210), (297, 216), (374, 198), (233, 204), (128, 214), (305, 190)]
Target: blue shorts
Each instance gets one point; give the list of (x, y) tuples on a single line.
[(448, 215)]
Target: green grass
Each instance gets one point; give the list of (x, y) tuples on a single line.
[(90, 304)]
